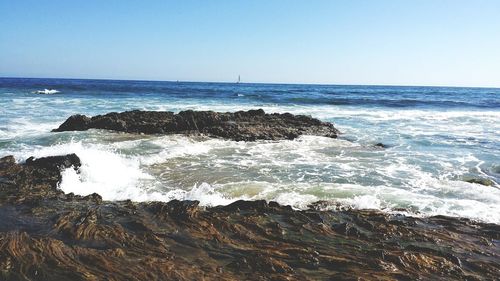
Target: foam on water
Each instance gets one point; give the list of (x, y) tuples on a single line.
[(321, 168), (106, 173), (364, 202), (178, 146), (207, 195), (25, 127), (46, 92)]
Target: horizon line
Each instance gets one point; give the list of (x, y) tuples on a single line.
[(259, 83)]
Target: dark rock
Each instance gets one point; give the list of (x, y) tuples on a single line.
[(482, 181), (381, 145), (34, 180), (55, 163), (7, 164), (346, 229), (7, 161), (48, 235), (242, 205), (182, 209), (75, 122), (240, 126), (94, 197)]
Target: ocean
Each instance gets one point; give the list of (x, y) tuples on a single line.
[(437, 138)]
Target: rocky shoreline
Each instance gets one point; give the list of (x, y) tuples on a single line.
[(239, 126), (46, 234)]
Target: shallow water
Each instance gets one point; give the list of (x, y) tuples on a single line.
[(437, 138)]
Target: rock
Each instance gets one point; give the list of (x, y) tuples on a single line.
[(495, 169), (55, 163), (48, 235), (381, 145), (75, 122), (180, 210), (34, 180), (94, 197), (482, 181), (242, 205), (7, 163), (240, 126), (345, 229)]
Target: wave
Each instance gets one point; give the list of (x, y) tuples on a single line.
[(392, 102), (25, 127), (46, 92)]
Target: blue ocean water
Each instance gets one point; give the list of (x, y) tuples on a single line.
[(437, 138)]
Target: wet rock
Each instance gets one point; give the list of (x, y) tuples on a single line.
[(495, 169), (55, 163), (381, 145), (7, 161), (75, 122), (34, 180), (176, 209), (8, 166), (240, 126), (242, 205), (482, 181), (347, 229), (48, 235), (94, 197)]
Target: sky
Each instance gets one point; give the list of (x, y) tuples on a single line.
[(398, 42)]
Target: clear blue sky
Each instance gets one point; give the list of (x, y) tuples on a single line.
[(424, 42)]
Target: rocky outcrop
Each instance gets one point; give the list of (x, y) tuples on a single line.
[(240, 126), (48, 235), (34, 180)]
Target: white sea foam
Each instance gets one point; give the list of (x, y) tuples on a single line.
[(46, 92), (294, 199), (25, 127), (363, 202), (207, 195), (177, 146), (106, 173)]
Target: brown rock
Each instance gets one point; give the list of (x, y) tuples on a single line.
[(48, 235), (240, 126)]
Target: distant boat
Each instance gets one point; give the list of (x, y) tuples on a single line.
[(239, 80)]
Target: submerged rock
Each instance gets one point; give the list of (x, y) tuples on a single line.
[(381, 145), (482, 181), (240, 126), (48, 235)]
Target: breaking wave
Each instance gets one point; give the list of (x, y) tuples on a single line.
[(46, 92)]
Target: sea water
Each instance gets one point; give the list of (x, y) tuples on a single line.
[(436, 138)]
